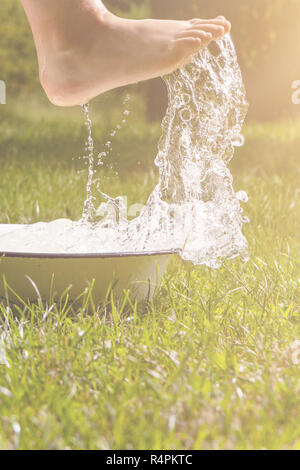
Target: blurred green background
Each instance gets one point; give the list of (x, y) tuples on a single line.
[(265, 34)]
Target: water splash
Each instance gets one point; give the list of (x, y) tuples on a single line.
[(94, 184), (88, 207), (194, 207), (106, 153)]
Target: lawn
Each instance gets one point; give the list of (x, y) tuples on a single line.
[(212, 363)]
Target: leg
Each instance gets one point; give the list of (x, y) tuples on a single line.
[(84, 50)]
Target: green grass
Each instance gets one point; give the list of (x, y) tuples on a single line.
[(210, 363)]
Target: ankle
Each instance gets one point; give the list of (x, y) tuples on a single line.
[(88, 24), (65, 25)]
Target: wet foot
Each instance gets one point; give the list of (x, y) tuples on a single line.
[(109, 52)]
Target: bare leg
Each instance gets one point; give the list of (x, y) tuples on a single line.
[(84, 50)]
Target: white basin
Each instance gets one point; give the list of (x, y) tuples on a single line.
[(53, 273)]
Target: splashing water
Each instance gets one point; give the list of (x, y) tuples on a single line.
[(194, 207), (89, 210), (194, 203), (88, 207)]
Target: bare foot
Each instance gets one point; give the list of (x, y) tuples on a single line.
[(109, 52)]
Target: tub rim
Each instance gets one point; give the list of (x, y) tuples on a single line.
[(137, 254)]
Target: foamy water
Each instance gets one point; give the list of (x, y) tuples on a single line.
[(194, 207)]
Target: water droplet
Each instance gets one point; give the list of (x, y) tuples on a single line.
[(238, 141), (186, 98), (242, 196), (185, 114)]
